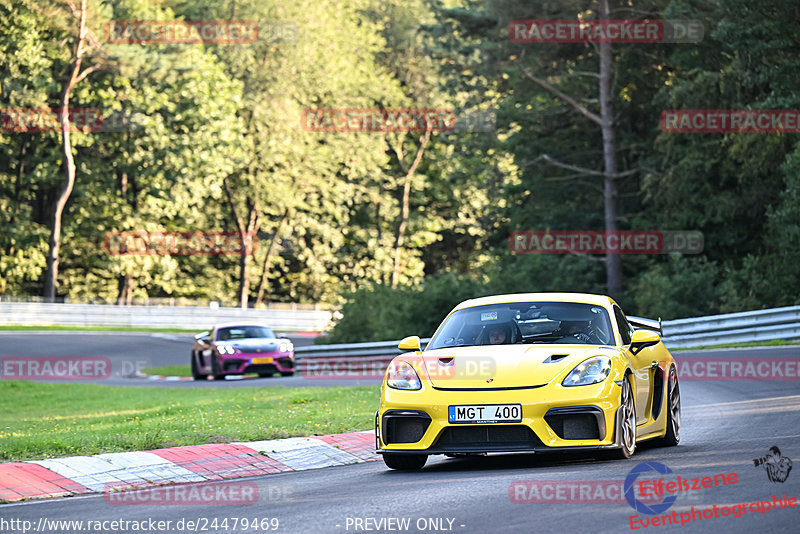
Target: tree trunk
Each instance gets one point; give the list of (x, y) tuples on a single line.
[(262, 284), (404, 203), (51, 282), (610, 194), (244, 276), (246, 232), (125, 290), (605, 120), (51, 279)]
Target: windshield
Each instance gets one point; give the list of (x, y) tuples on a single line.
[(244, 332), (525, 322)]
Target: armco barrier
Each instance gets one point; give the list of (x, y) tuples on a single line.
[(342, 354), (742, 327), (184, 317), (753, 326)]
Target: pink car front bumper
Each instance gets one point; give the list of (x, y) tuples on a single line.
[(262, 363)]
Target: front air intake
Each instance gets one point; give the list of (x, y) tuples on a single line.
[(404, 426), (577, 422)]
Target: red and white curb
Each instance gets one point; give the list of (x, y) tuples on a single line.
[(75, 475)]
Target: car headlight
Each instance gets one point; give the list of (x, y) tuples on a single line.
[(286, 346), (403, 376), (226, 349), (591, 371)]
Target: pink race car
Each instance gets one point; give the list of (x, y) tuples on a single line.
[(237, 349)]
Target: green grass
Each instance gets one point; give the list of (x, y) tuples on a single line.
[(39, 420), (771, 343), (169, 370)]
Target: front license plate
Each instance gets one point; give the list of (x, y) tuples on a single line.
[(486, 413), (262, 360)]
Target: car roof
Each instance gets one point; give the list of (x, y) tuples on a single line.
[(587, 298), (227, 325)]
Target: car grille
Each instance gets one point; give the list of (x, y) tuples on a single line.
[(261, 368), (488, 437), (232, 365)]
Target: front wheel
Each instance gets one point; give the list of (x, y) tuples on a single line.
[(196, 374), (673, 435), (287, 373), (405, 462), (216, 374), (626, 426)]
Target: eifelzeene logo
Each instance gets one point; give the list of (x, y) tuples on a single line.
[(777, 465)]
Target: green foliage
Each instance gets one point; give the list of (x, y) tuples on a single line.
[(329, 203), (379, 313)]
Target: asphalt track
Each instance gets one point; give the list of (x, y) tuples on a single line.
[(726, 425), (131, 351)]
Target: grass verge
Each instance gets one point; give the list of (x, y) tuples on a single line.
[(39, 420), (169, 370)]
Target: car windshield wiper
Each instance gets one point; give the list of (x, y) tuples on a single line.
[(539, 339)]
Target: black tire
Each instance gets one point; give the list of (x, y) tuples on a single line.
[(405, 462), (626, 426), (196, 374), (216, 374), (673, 435), (265, 375), (287, 373)]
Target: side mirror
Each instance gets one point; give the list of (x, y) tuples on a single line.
[(642, 339), (409, 344), (203, 336)]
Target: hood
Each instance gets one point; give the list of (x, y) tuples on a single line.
[(255, 344), (504, 366)]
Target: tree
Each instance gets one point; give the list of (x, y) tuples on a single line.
[(85, 43)]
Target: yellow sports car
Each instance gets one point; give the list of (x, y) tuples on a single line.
[(529, 372)]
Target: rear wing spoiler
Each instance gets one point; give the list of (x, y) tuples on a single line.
[(647, 324)]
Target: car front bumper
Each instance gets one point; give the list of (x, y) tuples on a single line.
[(554, 417), (244, 363)]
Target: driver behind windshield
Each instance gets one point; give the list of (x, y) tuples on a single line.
[(498, 335), (580, 330)]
